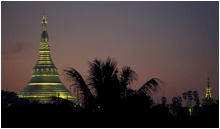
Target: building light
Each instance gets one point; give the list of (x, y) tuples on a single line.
[(39, 65), (44, 55), (43, 75), (45, 84)]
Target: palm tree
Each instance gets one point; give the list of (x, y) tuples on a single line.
[(164, 100), (179, 105), (195, 94), (185, 96), (190, 98), (179, 99), (196, 98), (190, 95), (85, 95), (175, 101), (109, 85)]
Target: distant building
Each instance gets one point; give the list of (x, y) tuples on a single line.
[(45, 81), (208, 100)]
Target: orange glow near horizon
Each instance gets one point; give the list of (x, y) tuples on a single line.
[(177, 45)]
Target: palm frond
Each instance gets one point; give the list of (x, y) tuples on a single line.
[(95, 74), (150, 86), (108, 69), (101, 74), (128, 76), (79, 85), (110, 79)]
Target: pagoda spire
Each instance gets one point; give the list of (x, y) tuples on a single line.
[(208, 89), (44, 21), (208, 80), (44, 35)]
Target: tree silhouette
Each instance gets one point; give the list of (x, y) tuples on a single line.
[(179, 99), (85, 95), (164, 100), (190, 95), (151, 86), (10, 99), (175, 100), (190, 98), (196, 98), (185, 96), (109, 85)]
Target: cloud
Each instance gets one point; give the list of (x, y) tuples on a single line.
[(11, 50), (18, 48)]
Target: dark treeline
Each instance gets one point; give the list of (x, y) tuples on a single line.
[(127, 112), (106, 101)]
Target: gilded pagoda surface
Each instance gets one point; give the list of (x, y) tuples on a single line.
[(45, 81)]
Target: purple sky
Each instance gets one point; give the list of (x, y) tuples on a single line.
[(177, 42)]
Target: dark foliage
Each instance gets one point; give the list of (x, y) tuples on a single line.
[(134, 111), (109, 84), (10, 99)]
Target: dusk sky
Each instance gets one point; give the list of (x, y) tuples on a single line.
[(177, 42)]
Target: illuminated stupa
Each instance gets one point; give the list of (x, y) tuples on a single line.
[(45, 81), (208, 100)]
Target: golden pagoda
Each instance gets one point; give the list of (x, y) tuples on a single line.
[(45, 82), (208, 100)]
